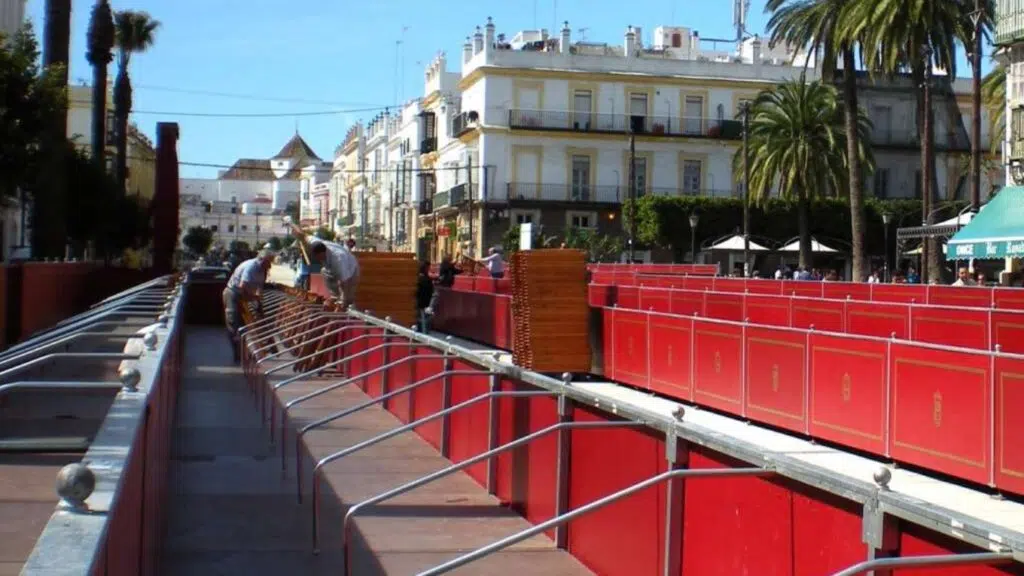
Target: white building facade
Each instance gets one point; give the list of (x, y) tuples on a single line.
[(399, 206), (12, 16), (1009, 40)]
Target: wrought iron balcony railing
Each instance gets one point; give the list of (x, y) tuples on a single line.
[(610, 194), (624, 123), (428, 145)]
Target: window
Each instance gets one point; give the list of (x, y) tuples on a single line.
[(882, 183), (692, 176), (640, 175), (581, 220), (580, 178), (881, 119), (637, 111), (525, 217), (677, 40), (582, 106), (693, 112), (213, 228), (917, 184), (257, 227), (111, 129), (245, 227), (231, 227)]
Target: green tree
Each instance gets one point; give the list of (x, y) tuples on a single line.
[(276, 243), (918, 35), (101, 45), (599, 247), (135, 33), (198, 240), (798, 146), (822, 25), (240, 247), (325, 233), (510, 240), (993, 94)]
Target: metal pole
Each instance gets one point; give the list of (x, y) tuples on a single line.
[(977, 16), (746, 189), (391, 219), (693, 244), (469, 202), (926, 163), (979, 558), (885, 254), (631, 187), (688, 473)]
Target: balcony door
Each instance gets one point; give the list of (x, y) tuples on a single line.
[(640, 175), (528, 102), (881, 119), (638, 107), (580, 188), (692, 177), (582, 109), (693, 115)]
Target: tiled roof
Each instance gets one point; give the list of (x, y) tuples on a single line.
[(249, 169), (297, 148)]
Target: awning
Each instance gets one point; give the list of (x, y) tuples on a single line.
[(736, 243), (996, 232), (943, 229), (816, 247)]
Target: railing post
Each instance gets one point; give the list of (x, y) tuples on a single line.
[(385, 358), (674, 492), (562, 466), (493, 433), (880, 532), (446, 403)]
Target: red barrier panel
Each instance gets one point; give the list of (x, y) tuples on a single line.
[(940, 413), (729, 285), (1008, 298), (669, 358), (960, 297), (878, 319), (655, 300), (723, 306), (427, 400), (824, 315), (1008, 331), (628, 297), (699, 283), (629, 343), (805, 288), (776, 377), (846, 290), (464, 438), (963, 328), (848, 395), (1009, 427), (717, 365), (766, 287), (768, 310), (905, 293), (687, 303)]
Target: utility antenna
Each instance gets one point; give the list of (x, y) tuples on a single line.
[(739, 17), (583, 33)]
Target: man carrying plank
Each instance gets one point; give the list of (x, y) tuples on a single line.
[(244, 285), (340, 268)]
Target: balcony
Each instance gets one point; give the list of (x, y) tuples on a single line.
[(463, 123), (909, 138), (425, 207), (566, 121), (428, 145), (606, 194), (1009, 24), (451, 197)]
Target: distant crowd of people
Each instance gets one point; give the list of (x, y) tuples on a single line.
[(909, 275)]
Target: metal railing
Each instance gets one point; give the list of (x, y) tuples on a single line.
[(104, 498), (640, 124)]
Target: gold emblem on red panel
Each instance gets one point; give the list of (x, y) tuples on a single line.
[(847, 387), (775, 377), (670, 356), (937, 409), (718, 362)]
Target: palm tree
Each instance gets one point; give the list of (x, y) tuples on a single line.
[(919, 35), (821, 25), (980, 23), (101, 45), (798, 145), (993, 97), (135, 32)]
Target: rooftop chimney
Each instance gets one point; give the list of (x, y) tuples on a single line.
[(478, 41), (755, 50), (563, 43), (630, 43), (489, 34), (467, 50)]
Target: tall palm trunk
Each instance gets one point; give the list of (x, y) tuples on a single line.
[(853, 160), (122, 108), (803, 222), (976, 120), (99, 114), (930, 256)]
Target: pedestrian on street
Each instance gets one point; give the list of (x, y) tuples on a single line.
[(245, 285), (424, 296)]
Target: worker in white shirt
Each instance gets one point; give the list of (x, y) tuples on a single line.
[(494, 263), (244, 285), (339, 267)]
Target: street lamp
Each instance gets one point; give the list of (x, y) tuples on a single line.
[(694, 219), (746, 189), (886, 218)]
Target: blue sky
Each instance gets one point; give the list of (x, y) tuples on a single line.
[(308, 56)]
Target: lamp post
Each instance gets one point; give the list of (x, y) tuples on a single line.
[(886, 218), (694, 219), (746, 189)]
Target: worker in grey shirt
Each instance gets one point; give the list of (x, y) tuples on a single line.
[(339, 267), (245, 285)]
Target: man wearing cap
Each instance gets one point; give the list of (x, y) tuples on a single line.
[(339, 267), (245, 285)]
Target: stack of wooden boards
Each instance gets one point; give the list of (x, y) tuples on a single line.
[(387, 285), (550, 314)]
